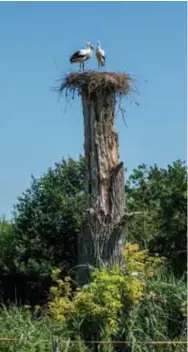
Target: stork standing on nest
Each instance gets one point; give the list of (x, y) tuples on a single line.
[(100, 55), (82, 55)]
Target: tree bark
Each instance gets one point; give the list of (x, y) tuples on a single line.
[(102, 239)]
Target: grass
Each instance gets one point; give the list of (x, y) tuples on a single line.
[(160, 317), (18, 323)]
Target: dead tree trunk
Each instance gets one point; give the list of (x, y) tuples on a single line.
[(102, 239)]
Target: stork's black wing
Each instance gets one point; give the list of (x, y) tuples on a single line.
[(104, 58), (76, 55)]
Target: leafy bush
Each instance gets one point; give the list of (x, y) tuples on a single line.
[(48, 218), (161, 194), (7, 246), (104, 308), (43, 235)]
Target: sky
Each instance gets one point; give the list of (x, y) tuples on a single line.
[(145, 39)]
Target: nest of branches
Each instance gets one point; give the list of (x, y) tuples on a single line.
[(94, 83)]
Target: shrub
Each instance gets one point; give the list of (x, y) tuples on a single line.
[(103, 309)]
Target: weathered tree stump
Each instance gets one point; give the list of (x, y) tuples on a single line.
[(102, 238)]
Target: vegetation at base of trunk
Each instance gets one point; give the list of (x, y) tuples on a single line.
[(105, 309), (105, 304)]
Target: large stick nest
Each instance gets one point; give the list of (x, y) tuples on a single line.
[(95, 83)]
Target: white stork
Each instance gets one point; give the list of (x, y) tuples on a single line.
[(100, 55), (82, 55)]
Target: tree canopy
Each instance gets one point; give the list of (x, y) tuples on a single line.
[(161, 194)]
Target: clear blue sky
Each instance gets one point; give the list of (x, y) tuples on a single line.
[(146, 39)]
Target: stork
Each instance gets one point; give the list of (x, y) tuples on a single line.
[(100, 55), (82, 55)]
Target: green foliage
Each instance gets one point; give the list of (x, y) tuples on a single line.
[(43, 236), (18, 323), (33, 332), (141, 303), (7, 246), (48, 217), (161, 194), (161, 315), (104, 308)]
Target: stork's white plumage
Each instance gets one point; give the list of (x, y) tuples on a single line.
[(100, 55), (82, 55)]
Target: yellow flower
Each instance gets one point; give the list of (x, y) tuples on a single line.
[(132, 247), (103, 300)]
